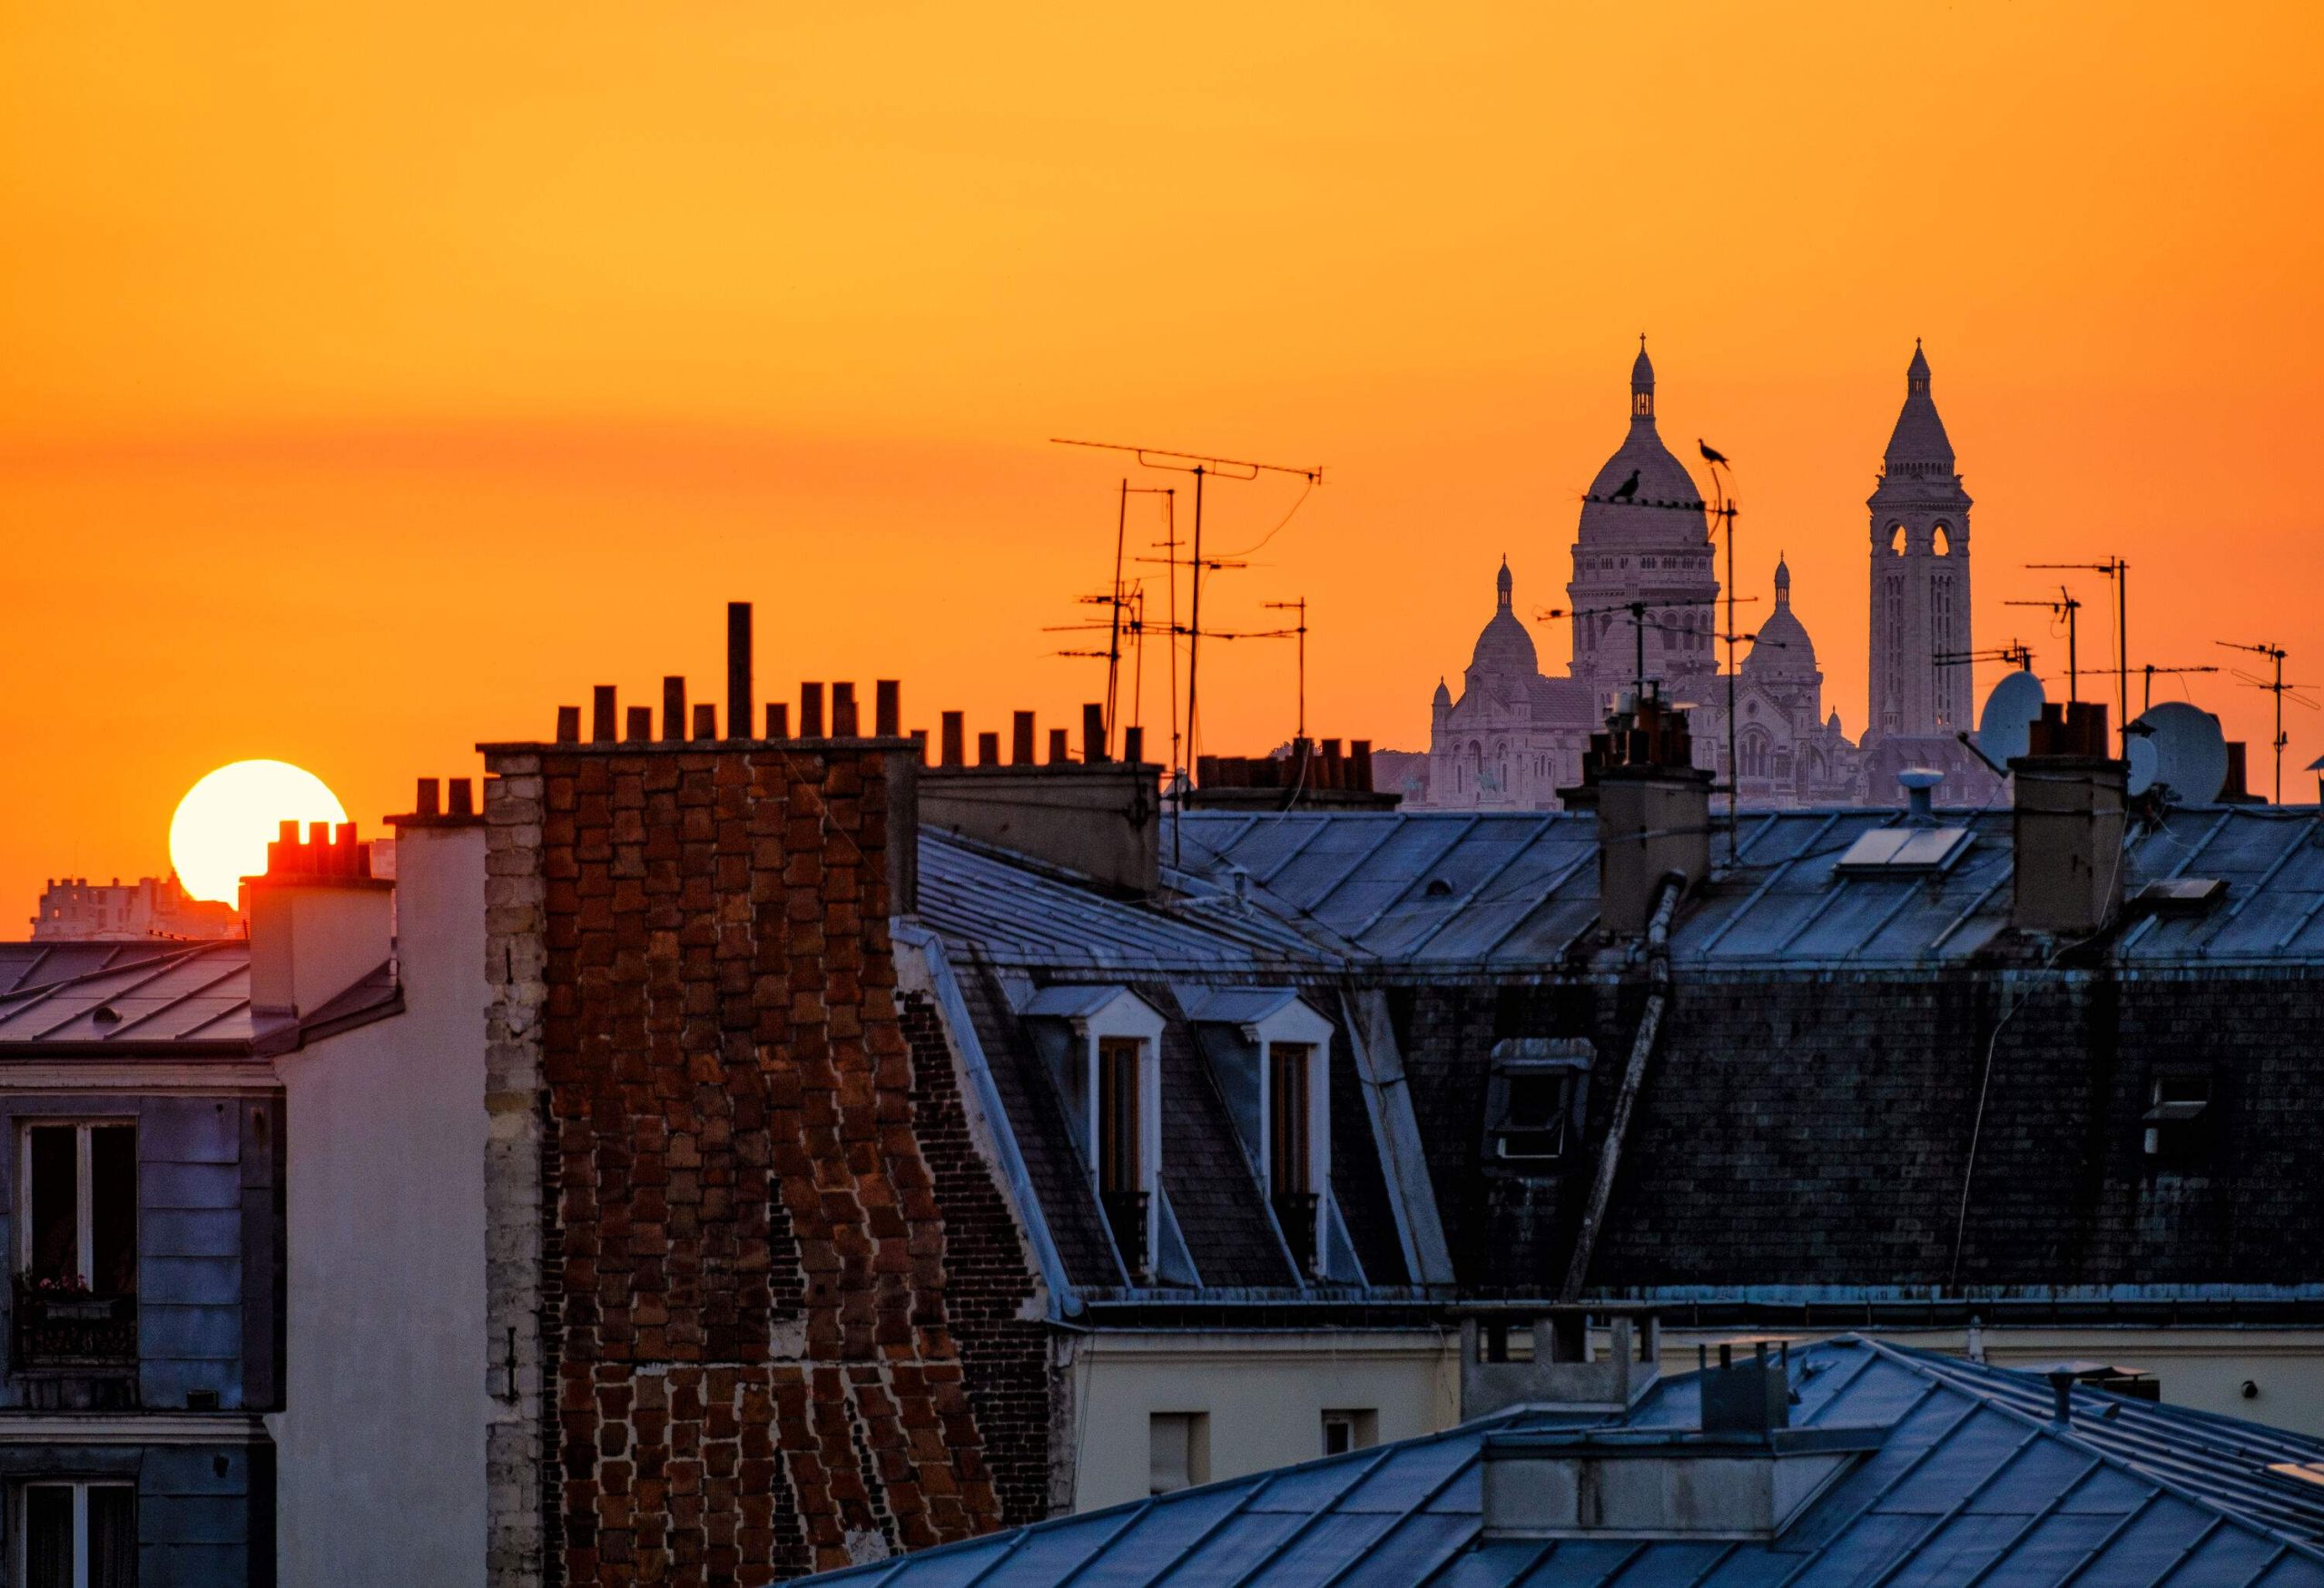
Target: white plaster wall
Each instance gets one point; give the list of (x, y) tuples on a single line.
[(381, 1476), (1265, 1396)]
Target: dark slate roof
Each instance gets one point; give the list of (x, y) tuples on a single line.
[(1973, 1484), (1445, 890)]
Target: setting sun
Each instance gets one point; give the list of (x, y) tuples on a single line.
[(220, 831)]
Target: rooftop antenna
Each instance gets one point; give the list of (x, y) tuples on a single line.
[(1724, 491), (2275, 686), (2116, 569), (2065, 607), (1299, 607), (1202, 466)]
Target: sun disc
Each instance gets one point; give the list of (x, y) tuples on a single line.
[(223, 824)]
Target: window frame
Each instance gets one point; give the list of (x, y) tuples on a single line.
[(1569, 1060), (1128, 1018), (83, 1126), (20, 1511)]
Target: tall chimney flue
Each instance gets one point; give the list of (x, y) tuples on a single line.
[(739, 714)]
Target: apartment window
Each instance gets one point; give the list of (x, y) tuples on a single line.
[(1291, 1155), (1180, 1453), (76, 1535), (81, 1216), (1350, 1430), (77, 1244), (1121, 1144)]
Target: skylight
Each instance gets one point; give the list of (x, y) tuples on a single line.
[(1906, 849)]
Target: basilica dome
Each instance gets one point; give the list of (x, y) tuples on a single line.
[(1504, 648), (1665, 504)]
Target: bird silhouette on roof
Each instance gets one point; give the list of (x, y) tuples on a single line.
[(1710, 453), (1627, 489)]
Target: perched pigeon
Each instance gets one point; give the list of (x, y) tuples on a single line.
[(1627, 489), (1710, 453)]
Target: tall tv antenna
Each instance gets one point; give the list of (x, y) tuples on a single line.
[(1300, 607), (1202, 466), (2274, 686), (2116, 569), (1725, 510)]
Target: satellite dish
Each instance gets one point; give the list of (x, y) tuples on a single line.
[(2190, 753), (2005, 727), (2144, 762)]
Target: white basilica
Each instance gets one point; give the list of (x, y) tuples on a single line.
[(1643, 597)]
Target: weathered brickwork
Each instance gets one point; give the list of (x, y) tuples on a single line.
[(779, 1291)]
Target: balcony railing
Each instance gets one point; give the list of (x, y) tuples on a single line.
[(58, 1328), (1125, 1213)]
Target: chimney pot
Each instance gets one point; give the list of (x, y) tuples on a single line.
[(705, 720), (640, 729), (568, 724), (425, 804), (843, 711), (1134, 745), (601, 715), (954, 748), (919, 745), (463, 794), (987, 749), (674, 708), (1093, 733), (1020, 742), (778, 719), (887, 707), (810, 710), (739, 714), (1059, 752)]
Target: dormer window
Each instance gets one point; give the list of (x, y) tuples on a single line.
[(1111, 1075), (1270, 1052)]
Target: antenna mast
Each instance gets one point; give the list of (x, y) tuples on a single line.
[(2275, 686), (2116, 569), (1300, 607), (1202, 466), (2065, 607)]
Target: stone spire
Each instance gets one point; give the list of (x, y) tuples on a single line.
[(1501, 582), (1642, 385), (1919, 444)]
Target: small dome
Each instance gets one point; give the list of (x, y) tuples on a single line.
[(1443, 696), (1781, 651), (1504, 648), (1642, 369)]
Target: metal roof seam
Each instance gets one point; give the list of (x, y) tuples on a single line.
[(1393, 827), (1452, 911), (1704, 948), (2131, 938), (1417, 1508), (220, 979), (1373, 919), (1549, 893), (1315, 829), (1960, 1504), (117, 992), (1984, 1396), (2244, 896), (2056, 1503)]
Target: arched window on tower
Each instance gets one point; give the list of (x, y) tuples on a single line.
[(1897, 540), (1940, 541), (1752, 747)]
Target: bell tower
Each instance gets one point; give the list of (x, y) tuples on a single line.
[(1920, 577)]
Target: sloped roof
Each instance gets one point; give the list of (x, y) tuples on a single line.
[(1973, 1484), (1439, 890), (98, 997)]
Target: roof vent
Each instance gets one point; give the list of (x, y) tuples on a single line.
[(1920, 794)]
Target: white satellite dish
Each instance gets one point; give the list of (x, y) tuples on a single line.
[(2190, 753), (2006, 724)]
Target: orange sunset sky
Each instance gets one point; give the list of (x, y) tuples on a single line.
[(375, 378)]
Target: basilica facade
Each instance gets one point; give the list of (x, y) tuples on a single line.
[(1643, 602)]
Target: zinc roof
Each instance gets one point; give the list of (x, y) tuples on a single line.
[(94, 997), (1973, 1484), (1492, 890)]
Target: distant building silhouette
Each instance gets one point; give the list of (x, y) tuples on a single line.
[(75, 910), (1512, 735)]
